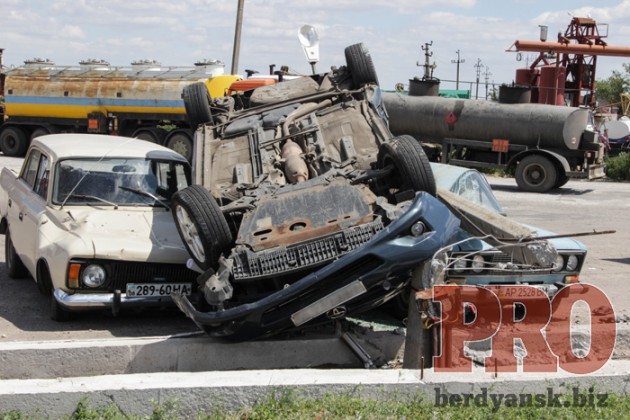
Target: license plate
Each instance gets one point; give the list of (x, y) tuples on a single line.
[(162, 289), (523, 292)]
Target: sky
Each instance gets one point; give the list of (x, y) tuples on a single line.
[(182, 32)]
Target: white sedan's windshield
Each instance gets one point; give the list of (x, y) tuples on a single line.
[(117, 181)]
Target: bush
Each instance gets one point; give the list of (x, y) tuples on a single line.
[(618, 167)]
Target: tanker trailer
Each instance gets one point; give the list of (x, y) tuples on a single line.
[(135, 101), (543, 144)]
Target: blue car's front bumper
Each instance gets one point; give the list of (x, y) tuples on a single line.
[(359, 280)]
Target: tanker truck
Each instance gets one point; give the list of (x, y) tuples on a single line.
[(544, 145), (136, 101)]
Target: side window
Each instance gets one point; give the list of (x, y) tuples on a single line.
[(29, 173), (41, 182)]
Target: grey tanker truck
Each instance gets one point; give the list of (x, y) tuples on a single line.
[(544, 145)]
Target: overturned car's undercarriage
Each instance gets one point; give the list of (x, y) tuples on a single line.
[(305, 207)]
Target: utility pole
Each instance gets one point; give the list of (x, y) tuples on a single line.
[(478, 66), (487, 75), (428, 73), (458, 62), (237, 36)]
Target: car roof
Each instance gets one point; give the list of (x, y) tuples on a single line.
[(61, 146)]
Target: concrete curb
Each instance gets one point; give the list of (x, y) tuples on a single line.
[(195, 392), (187, 353)]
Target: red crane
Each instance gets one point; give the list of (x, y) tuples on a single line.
[(570, 63)]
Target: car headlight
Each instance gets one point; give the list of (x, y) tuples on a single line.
[(478, 264), (558, 264), (572, 263), (459, 265), (417, 229), (93, 276)]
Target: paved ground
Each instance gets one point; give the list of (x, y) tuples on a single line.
[(582, 206), (578, 207)]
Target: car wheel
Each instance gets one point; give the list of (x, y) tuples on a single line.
[(57, 312), (15, 266), (13, 142), (201, 225), (44, 283), (360, 65), (411, 167), (536, 173), (197, 104)]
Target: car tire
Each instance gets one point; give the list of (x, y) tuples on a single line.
[(201, 225), (360, 64), (536, 173), (197, 104), (58, 313), (13, 142), (15, 266), (412, 170), (44, 283)]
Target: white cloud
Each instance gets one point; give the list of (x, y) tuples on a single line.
[(181, 32)]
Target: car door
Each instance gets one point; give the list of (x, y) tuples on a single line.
[(27, 206)]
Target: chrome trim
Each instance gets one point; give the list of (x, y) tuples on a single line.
[(79, 301)]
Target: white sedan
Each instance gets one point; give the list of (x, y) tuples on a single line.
[(88, 217)]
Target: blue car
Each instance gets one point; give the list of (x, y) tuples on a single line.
[(473, 261)]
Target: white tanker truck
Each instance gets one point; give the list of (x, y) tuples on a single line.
[(544, 145)]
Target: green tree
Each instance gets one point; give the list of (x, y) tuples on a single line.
[(610, 89)]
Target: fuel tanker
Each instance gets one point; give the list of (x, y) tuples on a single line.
[(543, 144), (94, 97)]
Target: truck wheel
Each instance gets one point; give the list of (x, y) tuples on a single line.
[(197, 104), (154, 135), (15, 266), (360, 65), (38, 132), (182, 143), (201, 225), (411, 167), (562, 180), (536, 173), (13, 142)]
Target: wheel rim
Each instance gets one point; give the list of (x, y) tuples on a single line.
[(535, 174), (190, 234), (181, 146), (10, 142)]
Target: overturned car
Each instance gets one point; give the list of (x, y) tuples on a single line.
[(306, 208)]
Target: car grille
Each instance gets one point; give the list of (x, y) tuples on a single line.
[(121, 273), (252, 265)]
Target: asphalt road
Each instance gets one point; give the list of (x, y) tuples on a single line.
[(580, 206)]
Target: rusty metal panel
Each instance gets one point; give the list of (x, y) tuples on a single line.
[(281, 219)]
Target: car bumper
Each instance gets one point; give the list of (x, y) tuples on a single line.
[(114, 301), (359, 280)]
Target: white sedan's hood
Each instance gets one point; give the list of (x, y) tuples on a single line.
[(131, 235)]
